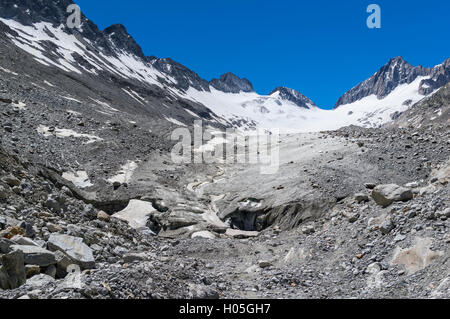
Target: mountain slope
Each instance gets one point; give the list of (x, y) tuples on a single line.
[(391, 91), (153, 86), (434, 110), (115, 75), (396, 72), (112, 57)]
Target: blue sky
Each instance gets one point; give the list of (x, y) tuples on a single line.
[(321, 48)]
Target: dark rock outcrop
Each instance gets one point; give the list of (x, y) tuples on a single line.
[(396, 72), (439, 76), (230, 83), (12, 272), (294, 96)]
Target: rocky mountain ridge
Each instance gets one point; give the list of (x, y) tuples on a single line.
[(149, 84), (293, 96), (395, 73), (230, 83), (116, 38)]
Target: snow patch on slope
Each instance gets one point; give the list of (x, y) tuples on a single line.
[(80, 178), (174, 121), (125, 173), (62, 132), (8, 71), (32, 39)]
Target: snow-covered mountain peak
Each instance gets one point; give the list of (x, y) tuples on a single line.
[(117, 28), (394, 73)]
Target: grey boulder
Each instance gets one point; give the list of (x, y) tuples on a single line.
[(74, 248), (34, 255), (40, 280), (11, 181), (20, 240), (134, 257), (5, 245), (385, 195)]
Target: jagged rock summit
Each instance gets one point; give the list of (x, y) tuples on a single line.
[(395, 73), (230, 83), (293, 96), (123, 40)]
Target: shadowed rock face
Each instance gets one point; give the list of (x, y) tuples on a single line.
[(12, 271), (439, 76), (35, 255), (294, 96), (123, 40), (28, 12), (230, 83), (396, 72), (185, 77)]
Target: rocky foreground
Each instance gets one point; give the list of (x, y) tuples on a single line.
[(355, 213)]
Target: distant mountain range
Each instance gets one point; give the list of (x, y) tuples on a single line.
[(113, 70)]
